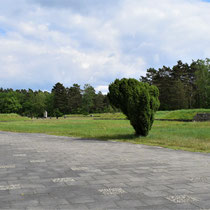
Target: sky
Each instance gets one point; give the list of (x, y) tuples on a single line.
[(43, 42)]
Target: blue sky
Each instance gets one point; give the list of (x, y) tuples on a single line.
[(96, 41)]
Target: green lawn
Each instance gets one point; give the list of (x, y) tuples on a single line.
[(115, 116), (12, 117), (191, 136), (184, 114)]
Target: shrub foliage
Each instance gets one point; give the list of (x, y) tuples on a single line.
[(138, 101)]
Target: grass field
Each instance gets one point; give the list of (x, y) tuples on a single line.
[(12, 117), (108, 116), (184, 114), (191, 136)]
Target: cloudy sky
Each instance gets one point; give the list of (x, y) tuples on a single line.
[(96, 41)]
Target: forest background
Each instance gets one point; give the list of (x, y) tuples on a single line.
[(184, 86)]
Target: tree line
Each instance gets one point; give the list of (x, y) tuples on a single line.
[(60, 101), (184, 86)]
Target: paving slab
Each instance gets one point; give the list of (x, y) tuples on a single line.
[(39, 171)]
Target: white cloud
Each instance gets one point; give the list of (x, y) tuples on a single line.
[(102, 88), (44, 44)]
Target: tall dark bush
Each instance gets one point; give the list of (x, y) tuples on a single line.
[(137, 100)]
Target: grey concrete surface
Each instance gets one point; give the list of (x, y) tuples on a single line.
[(39, 171)]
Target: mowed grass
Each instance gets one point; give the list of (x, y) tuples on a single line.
[(12, 117), (107, 116), (184, 114), (191, 136)]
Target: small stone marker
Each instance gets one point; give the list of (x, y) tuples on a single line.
[(181, 199), (37, 161), (10, 187), (24, 148), (62, 180), (45, 114), (40, 151), (124, 159), (112, 191), (198, 179), (94, 170), (19, 155), (7, 166), (79, 168), (159, 170), (86, 169)]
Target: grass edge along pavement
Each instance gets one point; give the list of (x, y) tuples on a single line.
[(190, 136)]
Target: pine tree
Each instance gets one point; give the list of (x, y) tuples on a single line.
[(60, 98), (74, 99)]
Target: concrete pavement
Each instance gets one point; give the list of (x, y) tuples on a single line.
[(40, 171)]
